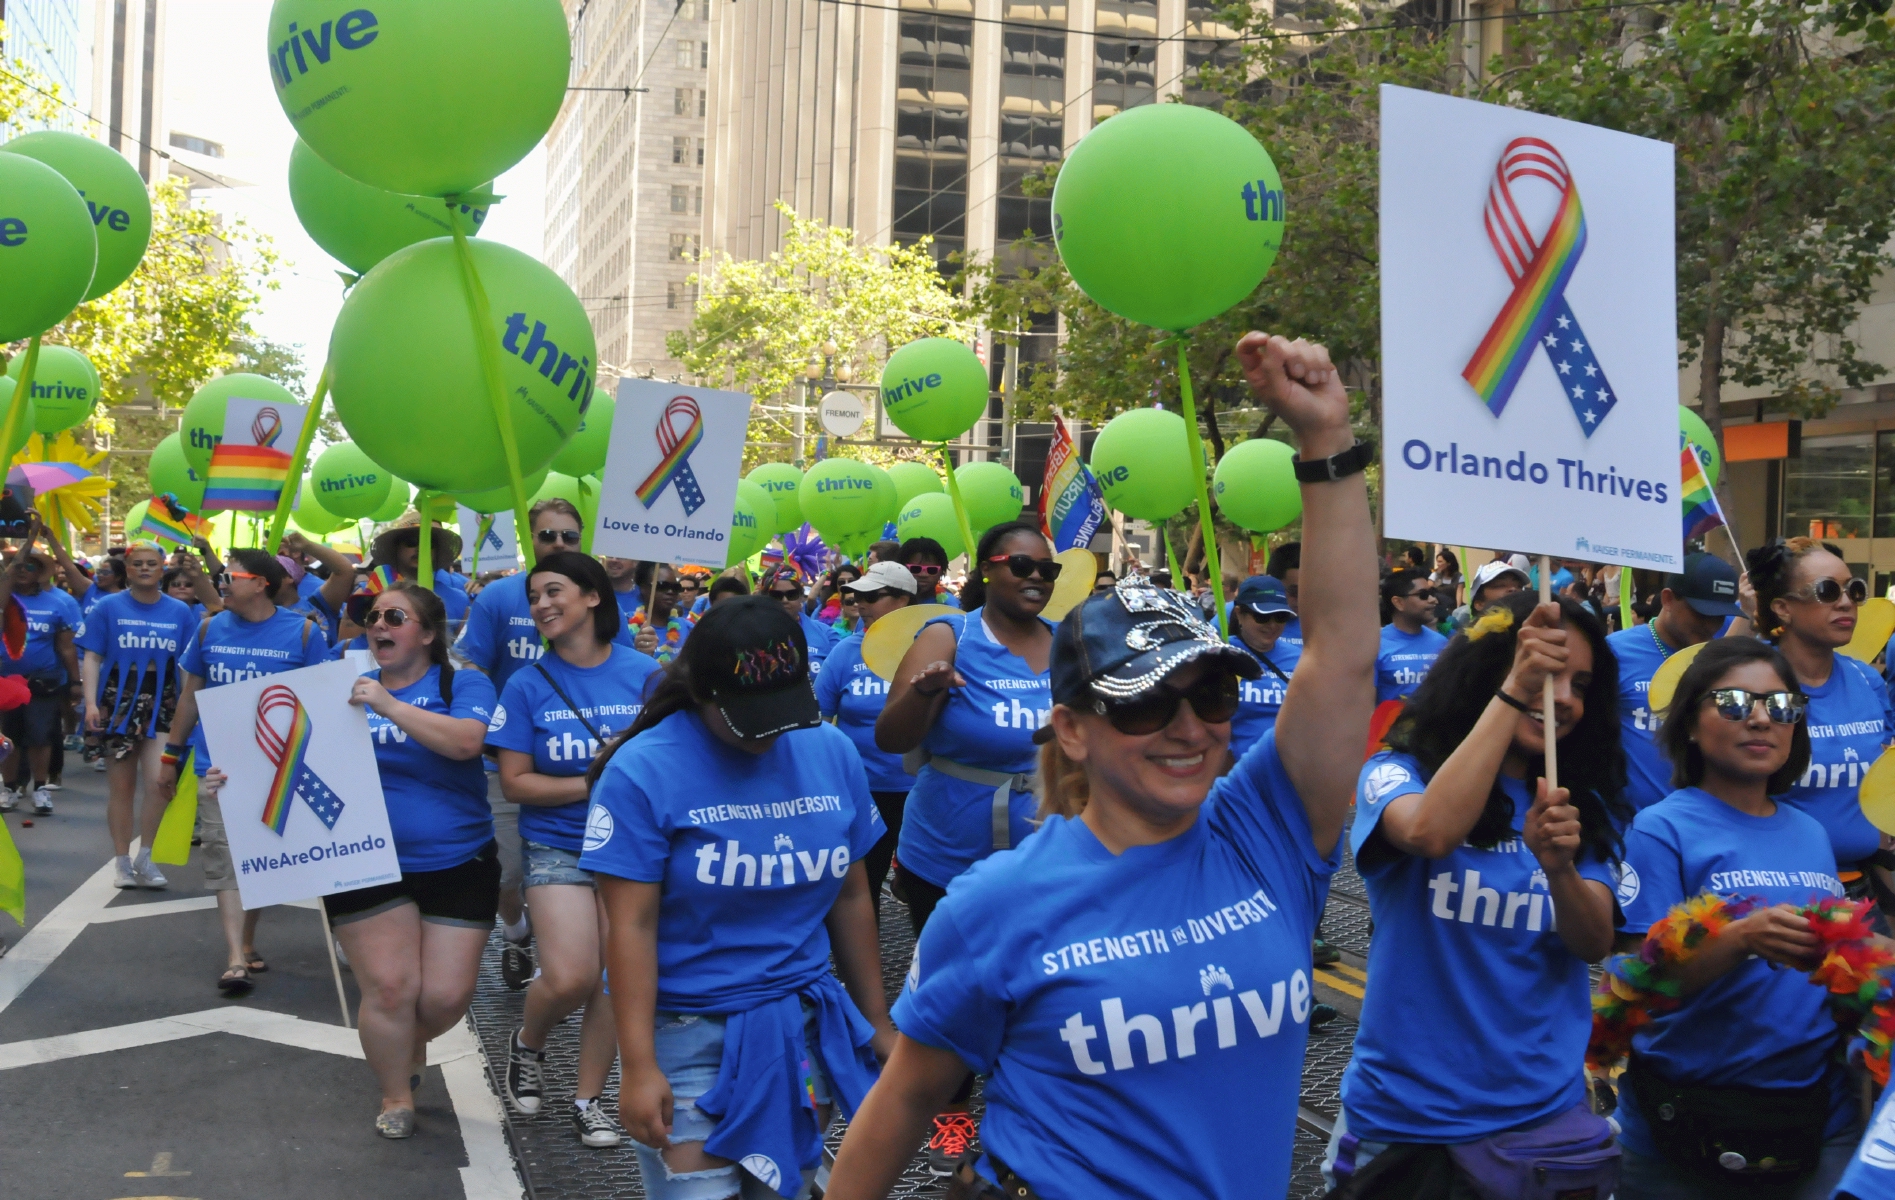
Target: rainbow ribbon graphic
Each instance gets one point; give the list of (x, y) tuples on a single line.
[(1536, 315), (287, 750), (249, 478), (677, 450)]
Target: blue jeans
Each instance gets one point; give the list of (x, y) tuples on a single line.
[(690, 1049), (548, 865)]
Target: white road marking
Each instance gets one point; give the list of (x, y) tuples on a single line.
[(56, 930)]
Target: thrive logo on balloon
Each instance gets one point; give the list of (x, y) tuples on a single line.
[(307, 47), (1262, 202), (553, 364)]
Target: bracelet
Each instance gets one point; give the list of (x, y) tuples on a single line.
[(171, 757), (1336, 466), (1501, 695)]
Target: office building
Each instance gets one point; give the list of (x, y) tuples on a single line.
[(53, 38)]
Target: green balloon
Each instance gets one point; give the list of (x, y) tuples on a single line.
[(1692, 431), (749, 521), (418, 96), (203, 425), (1255, 485), (348, 482), (65, 387), (114, 194), (405, 372), (914, 479), (400, 496), (7, 388), (762, 504), (559, 487), (500, 499), (47, 247), (784, 483), (843, 496), (992, 494), (311, 517), (931, 515), (134, 517), (589, 508), (585, 453), (170, 474), (1168, 214), (934, 389), (361, 225), (1143, 464)]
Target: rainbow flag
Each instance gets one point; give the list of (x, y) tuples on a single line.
[(378, 581), (170, 521), (246, 478), (1701, 510), (1072, 505)]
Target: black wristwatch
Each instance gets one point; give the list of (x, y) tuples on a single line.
[(1336, 466)]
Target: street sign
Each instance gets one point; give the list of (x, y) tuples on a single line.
[(841, 413)]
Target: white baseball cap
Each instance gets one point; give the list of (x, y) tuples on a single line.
[(885, 575)]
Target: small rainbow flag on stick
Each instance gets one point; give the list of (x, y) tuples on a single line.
[(379, 580), (165, 518), (1699, 500)]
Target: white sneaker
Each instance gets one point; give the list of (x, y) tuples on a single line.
[(122, 872), (147, 873), (42, 801), (98, 764), (53, 785), (9, 799)]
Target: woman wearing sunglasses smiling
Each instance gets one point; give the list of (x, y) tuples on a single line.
[(1750, 1054), (1135, 977), (1806, 606)]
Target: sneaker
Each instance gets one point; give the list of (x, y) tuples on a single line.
[(54, 785), (94, 753), (9, 799), (1321, 1014), (122, 872), (1322, 953), (147, 873), (98, 764), (75, 743), (954, 1132), (524, 1084), (516, 966), (594, 1128), (42, 801)]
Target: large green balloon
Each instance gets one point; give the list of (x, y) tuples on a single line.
[(1692, 431), (500, 499), (762, 504), (931, 515), (114, 194), (361, 225), (348, 482), (203, 425), (843, 496), (1168, 214), (170, 474), (1255, 485), (934, 389), (1142, 462), (557, 486), (7, 388), (311, 517), (134, 517), (749, 522), (419, 96), (405, 372), (914, 479), (47, 247), (65, 387), (992, 494), (784, 483), (585, 453), (400, 496)]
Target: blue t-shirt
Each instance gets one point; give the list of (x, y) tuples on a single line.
[(500, 637), (1758, 1026), (532, 719), (947, 825), (821, 639), (437, 806), (309, 585), (1871, 1173), (1403, 661), (47, 612), (854, 696), (230, 649), (716, 825), (316, 608), (1261, 698), (91, 599), (1292, 636), (1468, 941), (1640, 652), (1141, 1017), (132, 639), (1849, 722)]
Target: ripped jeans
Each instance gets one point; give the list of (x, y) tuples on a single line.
[(690, 1049)]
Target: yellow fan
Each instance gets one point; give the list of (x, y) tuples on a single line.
[(1877, 793), (1665, 678), (889, 638), (1875, 621), (1074, 583)]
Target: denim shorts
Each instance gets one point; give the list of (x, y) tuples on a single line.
[(549, 864), (689, 1050)]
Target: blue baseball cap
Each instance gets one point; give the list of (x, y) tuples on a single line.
[(1708, 584), (1263, 595)]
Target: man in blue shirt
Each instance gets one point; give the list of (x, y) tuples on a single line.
[(1410, 644), (1693, 607)]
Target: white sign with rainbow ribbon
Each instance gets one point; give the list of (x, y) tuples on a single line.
[(670, 481)]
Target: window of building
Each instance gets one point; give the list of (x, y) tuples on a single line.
[(683, 247), (700, 152), (687, 52), (703, 55), (681, 149), (931, 129), (680, 295), (681, 197), (684, 102), (697, 200), (1826, 492), (1210, 47), (1125, 56)]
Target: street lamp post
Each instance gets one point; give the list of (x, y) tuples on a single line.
[(820, 376)]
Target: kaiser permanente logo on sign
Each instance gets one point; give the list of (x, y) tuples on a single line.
[(1528, 333)]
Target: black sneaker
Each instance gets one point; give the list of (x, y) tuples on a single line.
[(954, 1132), (516, 965), (1321, 953), (1322, 1014), (524, 1082), (594, 1128)]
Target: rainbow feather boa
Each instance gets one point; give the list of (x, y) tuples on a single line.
[(1854, 970)]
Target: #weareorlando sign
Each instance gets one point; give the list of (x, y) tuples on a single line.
[(248, 468), (303, 807), (670, 478), (1528, 333)]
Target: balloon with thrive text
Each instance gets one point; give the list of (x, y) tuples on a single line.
[(114, 194), (1143, 463), (844, 496), (400, 496), (1692, 431), (992, 493), (749, 523), (361, 225), (65, 387), (311, 517), (348, 482), (1255, 485), (762, 505), (934, 389), (170, 473), (784, 483), (931, 515), (47, 247)]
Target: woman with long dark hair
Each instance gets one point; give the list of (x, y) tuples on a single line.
[(1751, 1052), (727, 831), (415, 944), (1490, 892)]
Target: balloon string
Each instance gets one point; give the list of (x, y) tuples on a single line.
[(489, 346), (424, 540), (294, 479), (585, 526), (1204, 492), (960, 510), (23, 390), (486, 527)]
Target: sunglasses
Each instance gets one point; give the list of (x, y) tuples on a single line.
[(1025, 566), (923, 568), (1828, 591), (849, 597), (878, 595), (674, 586), (224, 578), (394, 618), (1736, 704), (1213, 698), (569, 537), (786, 597)]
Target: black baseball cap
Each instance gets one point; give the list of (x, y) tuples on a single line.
[(1121, 645), (754, 660), (1708, 584), (1263, 595)]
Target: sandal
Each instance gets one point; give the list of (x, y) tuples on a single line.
[(254, 962), (235, 982), (396, 1123)]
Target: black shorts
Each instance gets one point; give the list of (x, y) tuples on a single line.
[(37, 722), (467, 895)]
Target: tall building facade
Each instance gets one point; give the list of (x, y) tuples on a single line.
[(128, 80), (54, 39), (625, 173)]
